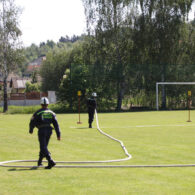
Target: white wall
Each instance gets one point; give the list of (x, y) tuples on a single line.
[(51, 97), (22, 102)]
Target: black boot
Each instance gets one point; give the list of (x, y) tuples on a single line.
[(90, 126), (51, 163), (39, 163)]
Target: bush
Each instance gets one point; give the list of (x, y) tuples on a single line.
[(35, 87), (57, 108)]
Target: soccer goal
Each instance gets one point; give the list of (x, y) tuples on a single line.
[(169, 83)]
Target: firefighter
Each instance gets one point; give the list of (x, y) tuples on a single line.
[(42, 119), (91, 104)]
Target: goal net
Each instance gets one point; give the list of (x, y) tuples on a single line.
[(175, 91)]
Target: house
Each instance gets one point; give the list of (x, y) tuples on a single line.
[(17, 95), (9, 80), (18, 85), (15, 84), (35, 65)]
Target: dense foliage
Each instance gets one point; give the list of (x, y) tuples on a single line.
[(32, 87), (129, 47)]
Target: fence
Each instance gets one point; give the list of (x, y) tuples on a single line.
[(27, 96), (27, 99)]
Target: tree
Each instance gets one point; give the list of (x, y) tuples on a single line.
[(10, 54), (159, 35), (32, 87), (34, 76), (110, 22), (53, 68), (73, 82)]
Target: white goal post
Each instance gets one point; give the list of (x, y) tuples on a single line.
[(169, 83)]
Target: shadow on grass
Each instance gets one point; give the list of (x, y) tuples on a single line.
[(25, 169)]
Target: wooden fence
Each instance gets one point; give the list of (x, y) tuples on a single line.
[(27, 96)]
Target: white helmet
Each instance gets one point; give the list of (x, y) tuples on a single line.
[(94, 94), (44, 101)]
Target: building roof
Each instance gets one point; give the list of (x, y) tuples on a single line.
[(20, 83), (35, 64), (38, 61), (31, 67)]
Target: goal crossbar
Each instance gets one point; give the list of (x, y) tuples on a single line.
[(169, 83)]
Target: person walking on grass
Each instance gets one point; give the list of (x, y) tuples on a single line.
[(91, 104), (42, 119)]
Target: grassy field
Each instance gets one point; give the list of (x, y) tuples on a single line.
[(152, 138)]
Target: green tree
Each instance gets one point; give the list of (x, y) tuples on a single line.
[(76, 77), (158, 36), (34, 76), (109, 21), (53, 68), (32, 87), (73, 82), (10, 54)]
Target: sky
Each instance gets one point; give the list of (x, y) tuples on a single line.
[(43, 20)]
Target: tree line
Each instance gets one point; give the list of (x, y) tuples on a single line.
[(129, 46)]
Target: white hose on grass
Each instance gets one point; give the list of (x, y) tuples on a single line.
[(75, 162), (91, 166), (3, 164)]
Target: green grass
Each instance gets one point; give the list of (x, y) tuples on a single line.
[(150, 137), (58, 108)]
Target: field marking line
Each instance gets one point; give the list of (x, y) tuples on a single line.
[(143, 126)]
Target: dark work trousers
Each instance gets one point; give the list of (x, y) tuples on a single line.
[(91, 115), (44, 135)]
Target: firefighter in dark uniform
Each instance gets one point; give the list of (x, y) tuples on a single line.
[(91, 104), (42, 119)]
